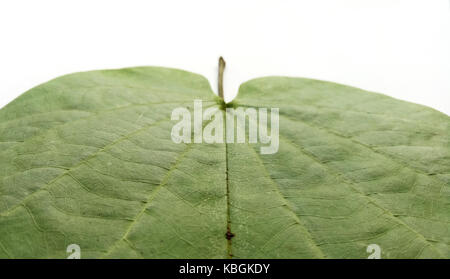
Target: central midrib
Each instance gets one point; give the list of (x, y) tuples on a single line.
[(228, 234)]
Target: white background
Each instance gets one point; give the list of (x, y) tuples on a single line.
[(399, 48)]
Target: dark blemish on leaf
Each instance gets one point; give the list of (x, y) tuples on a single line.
[(229, 235)]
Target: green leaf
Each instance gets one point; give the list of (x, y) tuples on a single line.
[(88, 159)]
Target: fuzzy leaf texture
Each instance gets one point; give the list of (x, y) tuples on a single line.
[(88, 159)]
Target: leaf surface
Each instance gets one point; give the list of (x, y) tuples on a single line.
[(88, 159)]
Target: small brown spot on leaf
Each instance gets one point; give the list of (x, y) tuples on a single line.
[(229, 235)]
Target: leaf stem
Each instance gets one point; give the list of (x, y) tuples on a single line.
[(221, 70)]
